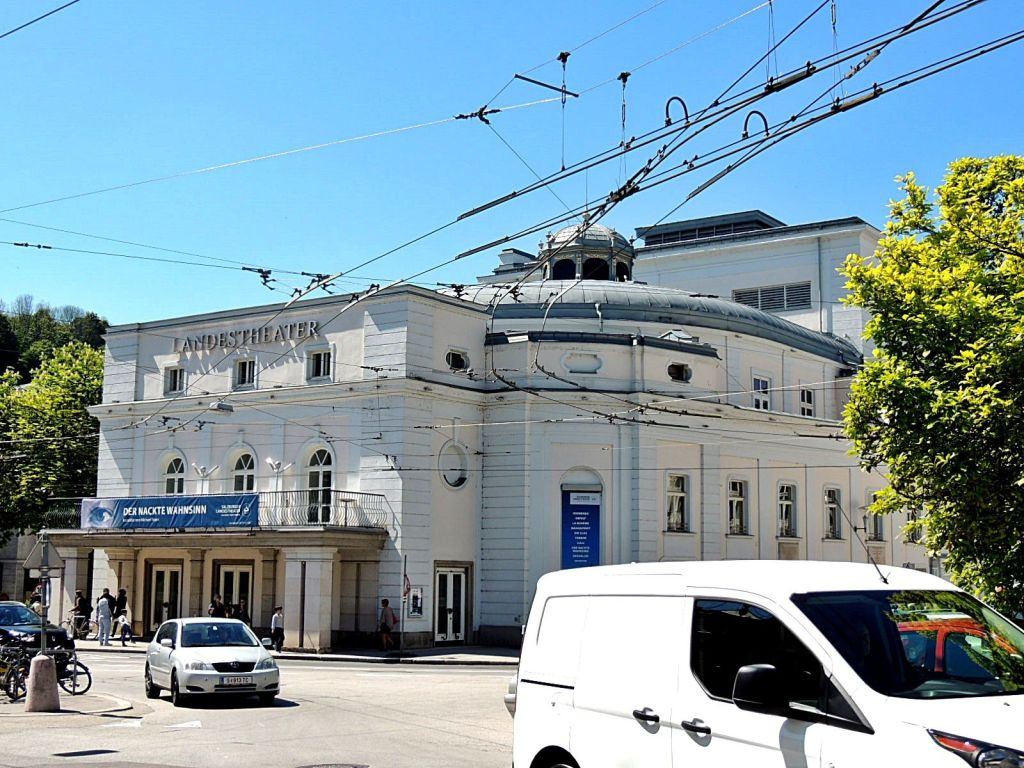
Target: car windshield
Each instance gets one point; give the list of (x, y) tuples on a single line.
[(15, 615), (208, 634), (921, 644)]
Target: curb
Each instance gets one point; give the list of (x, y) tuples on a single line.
[(113, 704)]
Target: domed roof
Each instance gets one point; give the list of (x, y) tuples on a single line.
[(594, 235), (637, 302)]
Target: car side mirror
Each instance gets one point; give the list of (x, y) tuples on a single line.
[(267, 642), (167, 642), (760, 688)]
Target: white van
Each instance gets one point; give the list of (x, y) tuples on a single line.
[(764, 663)]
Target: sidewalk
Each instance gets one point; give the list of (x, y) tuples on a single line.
[(464, 655)]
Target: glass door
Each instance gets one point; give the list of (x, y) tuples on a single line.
[(450, 605), (236, 584), (165, 594)]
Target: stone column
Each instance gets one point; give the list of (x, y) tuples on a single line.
[(268, 586), (194, 576), (308, 597), (76, 571)]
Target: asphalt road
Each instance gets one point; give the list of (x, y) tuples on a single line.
[(328, 714)]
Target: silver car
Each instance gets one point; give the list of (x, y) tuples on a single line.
[(204, 656)]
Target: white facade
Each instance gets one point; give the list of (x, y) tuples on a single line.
[(464, 437)]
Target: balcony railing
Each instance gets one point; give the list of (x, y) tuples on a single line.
[(277, 509)]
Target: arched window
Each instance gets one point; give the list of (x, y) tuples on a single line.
[(319, 475), (174, 478), (565, 269), (245, 473), (622, 272), (595, 269)]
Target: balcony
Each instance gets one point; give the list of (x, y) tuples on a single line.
[(277, 509)]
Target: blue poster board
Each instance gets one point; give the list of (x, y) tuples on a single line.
[(221, 511), (581, 529)]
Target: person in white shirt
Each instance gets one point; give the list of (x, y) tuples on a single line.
[(103, 619), (277, 628)]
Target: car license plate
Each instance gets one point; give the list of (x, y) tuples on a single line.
[(236, 681)]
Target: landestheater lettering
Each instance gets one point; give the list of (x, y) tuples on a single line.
[(245, 337)]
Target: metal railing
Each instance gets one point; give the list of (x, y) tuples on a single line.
[(277, 509)]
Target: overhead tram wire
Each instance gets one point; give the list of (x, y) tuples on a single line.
[(38, 18), (724, 107)]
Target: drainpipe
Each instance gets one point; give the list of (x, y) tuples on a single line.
[(821, 303)]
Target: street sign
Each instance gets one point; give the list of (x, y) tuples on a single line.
[(43, 556)]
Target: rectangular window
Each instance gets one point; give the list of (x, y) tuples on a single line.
[(174, 380), (678, 504), (833, 514), (320, 365), (787, 520), (737, 507), (913, 533), (245, 373), (762, 393), (806, 402)]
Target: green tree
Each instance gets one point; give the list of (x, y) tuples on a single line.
[(940, 404), (8, 345), (51, 442)]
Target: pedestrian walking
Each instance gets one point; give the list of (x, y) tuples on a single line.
[(216, 608), (277, 628), (103, 615), (242, 612), (80, 612), (387, 624), (125, 627)]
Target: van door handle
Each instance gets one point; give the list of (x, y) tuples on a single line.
[(691, 725), (646, 715)]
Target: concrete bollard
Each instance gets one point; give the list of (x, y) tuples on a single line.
[(43, 695)]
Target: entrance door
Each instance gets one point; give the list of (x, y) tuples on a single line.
[(165, 594), (450, 605), (236, 584)]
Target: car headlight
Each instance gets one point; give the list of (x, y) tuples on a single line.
[(979, 753), (267, 663), (198, 665)]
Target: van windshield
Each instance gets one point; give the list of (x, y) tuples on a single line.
[(921, 644)]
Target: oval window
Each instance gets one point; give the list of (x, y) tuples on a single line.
[(453, 465)]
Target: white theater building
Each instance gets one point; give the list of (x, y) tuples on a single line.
[(444, 450)]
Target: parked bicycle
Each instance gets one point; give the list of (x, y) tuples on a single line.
[(81, 627), (14, 666), (72, 675)]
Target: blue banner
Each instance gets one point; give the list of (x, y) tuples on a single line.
[(581, 529), (224, 511)]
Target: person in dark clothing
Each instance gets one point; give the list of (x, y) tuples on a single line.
[(121, 603), (81, 612), (217, 609)]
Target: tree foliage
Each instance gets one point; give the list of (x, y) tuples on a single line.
[(48, 440), (940, 404), (38, 330)]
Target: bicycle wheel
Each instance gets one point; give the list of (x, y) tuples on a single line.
[(76, 679), (14, 682)]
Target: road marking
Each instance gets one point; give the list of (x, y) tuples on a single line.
[(125, 724), (190, 724)]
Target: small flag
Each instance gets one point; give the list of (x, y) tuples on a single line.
[(408, 586)]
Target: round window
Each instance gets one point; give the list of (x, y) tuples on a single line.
[(452, 464)]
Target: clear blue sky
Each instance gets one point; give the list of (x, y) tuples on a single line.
[(108, 93)]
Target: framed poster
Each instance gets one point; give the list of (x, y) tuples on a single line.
[(415, 604)]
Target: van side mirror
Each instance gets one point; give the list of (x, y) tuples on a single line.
[(760, 688)]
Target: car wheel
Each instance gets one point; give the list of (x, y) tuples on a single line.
[(152, 691), (267, 699), (177, 697)]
